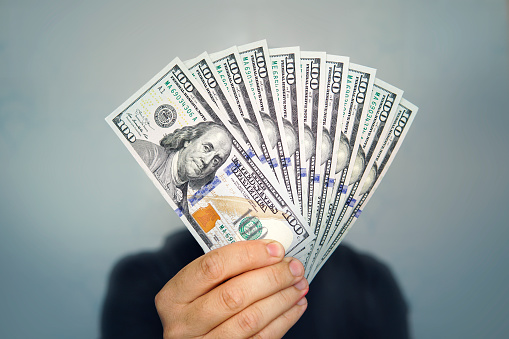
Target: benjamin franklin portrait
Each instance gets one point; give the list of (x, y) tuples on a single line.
[(189, 156), (342, 153)]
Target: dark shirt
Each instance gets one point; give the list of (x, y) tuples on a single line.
[(353, 295)]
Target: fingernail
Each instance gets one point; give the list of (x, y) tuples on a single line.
[(301, 285), (275, 249), (303, 301), (296, 268)]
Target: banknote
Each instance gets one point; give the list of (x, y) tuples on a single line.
[(382, 109), (380, 162), (383, 106), (228, 63), (336, 68), (285, 67), (358, 89), (256, 66), (313, 82), (204, 71), (183, 142)]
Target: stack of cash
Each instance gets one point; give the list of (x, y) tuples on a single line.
[(252, 143)]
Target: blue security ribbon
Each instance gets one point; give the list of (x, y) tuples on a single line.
[(202, 192), (352, 202), (330, 183)]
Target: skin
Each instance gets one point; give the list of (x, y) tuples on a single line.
[(203, 155), (242, 290)]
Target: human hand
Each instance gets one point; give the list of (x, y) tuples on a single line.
[(240, 290)]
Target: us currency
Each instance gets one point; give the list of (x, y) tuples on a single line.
[(336, 69), (183, 143), (260, 80), (383, 105), (382, 109), (313, 82), (378, 166), (227, 64), (358, 89), (203, 70), (285, 67)]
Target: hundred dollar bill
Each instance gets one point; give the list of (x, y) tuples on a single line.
[(336, 69), (285, 67), (358, 89), (184, 144), (260, 80), (382, 108), (384, 101), (313, 82), (227, 64), (380, 162), (204, 71)]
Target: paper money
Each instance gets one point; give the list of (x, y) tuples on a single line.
[(336, 70), (184, 144), (203, 70), (251, 143), (382, 108), (385, 153), (313, 82), (228, 64), (357, 91), (285, 67), (359, 85), (384, 101), (256, 66)]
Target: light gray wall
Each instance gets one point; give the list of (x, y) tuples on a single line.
[(73, 200)]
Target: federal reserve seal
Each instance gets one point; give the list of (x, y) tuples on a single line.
[(165, 116), (250, 228)]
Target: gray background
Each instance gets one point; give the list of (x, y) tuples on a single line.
[(73, 200)]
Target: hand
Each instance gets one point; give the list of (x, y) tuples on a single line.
[(240, 290)]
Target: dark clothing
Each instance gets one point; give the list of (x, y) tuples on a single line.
[(353, 295)]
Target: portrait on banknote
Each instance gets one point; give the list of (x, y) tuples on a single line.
[(291, 137), (327, 143), (309, 142), (358, 166), (370, 180), (343, 153), (270, 129), (253, 132), (187, 157)]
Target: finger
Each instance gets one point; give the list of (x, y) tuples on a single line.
[(281, 325), (265, 312), (211, 269), (240, 292)]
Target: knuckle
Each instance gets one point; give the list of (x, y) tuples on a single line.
[(232, 298), (274, 276), (287, 297), (249, 320), (212, 266), (249, 254), (158, 299), (288, 317)]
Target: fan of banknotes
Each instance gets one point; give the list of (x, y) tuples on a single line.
[(252, 143)]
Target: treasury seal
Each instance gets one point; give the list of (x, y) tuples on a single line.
[(250, 228), (165, 116)]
